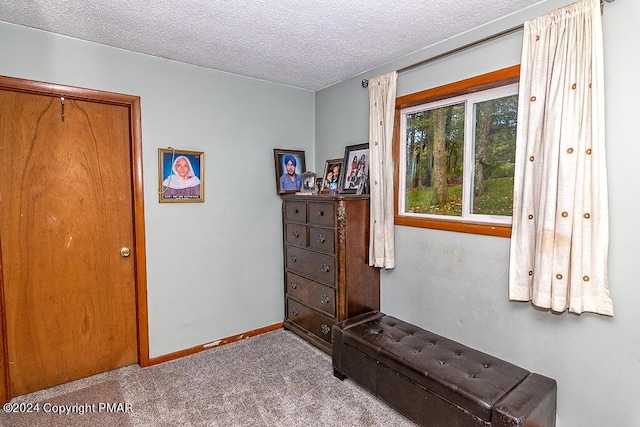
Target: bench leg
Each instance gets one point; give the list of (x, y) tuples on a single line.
[(339, 375)]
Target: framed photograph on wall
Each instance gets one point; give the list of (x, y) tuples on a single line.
[(355, 169), (331, 176), (289, 166), (180, 175)]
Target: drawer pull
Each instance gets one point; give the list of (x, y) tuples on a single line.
[(293, 258), (324, 299), (296, 233), (293, 285), (320, 213), (325, 329), (324, 268), (296, 211), (321, 238), (294, 312)]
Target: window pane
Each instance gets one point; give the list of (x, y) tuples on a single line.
[(434, 160), (495, 151)]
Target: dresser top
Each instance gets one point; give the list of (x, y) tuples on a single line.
[(325, 197)]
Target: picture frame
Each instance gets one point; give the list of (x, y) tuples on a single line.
[(334, 168), (180, 176), (355, 170), (288, 181)]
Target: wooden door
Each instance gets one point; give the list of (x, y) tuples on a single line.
[(66, 212)]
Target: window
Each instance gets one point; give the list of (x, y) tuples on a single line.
[(455, 155)]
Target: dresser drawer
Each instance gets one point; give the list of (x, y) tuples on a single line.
[(295, 234), (295, 211), (311, 264), (312, 293), (322, 238), (321, 213), (310, 320)]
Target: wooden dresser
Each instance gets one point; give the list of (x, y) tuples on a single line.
[(326, 272)]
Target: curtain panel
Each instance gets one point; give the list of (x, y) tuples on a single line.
[(382, 98), (560, 226)]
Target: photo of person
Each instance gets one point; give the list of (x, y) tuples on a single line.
[(331, 177), (290, 179), (289, 168), (181, 173), (357, 172)]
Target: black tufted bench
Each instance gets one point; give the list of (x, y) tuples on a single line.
[(436, 381)]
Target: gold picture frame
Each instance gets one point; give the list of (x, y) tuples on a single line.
[(180, 176)]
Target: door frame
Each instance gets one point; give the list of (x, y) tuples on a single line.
[(133, 104)]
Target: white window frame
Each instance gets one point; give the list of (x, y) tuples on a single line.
[(469, 154)]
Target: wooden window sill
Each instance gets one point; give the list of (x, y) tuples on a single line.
[(498, 230)]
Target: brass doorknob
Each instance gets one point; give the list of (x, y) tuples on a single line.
[(125, 252)]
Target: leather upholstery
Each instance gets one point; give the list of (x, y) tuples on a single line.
[(373, 347)]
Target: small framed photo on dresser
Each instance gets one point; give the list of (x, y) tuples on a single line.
[(355, 169), (331, 176), (289, 167)]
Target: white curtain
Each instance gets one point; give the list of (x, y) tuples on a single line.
[(560, 231), (382, 98)]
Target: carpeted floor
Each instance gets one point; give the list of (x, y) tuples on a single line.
[(274, 379)]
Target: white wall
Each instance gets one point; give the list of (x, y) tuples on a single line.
[(455, 284), (214, 268)]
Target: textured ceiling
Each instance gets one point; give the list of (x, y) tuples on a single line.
[(308, 44)]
